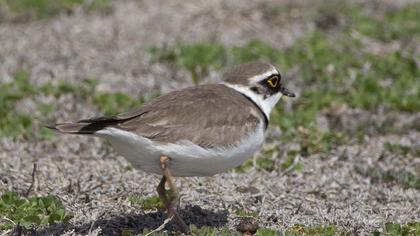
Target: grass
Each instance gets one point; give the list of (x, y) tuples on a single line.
[(290, 161), (336, 71), (198, 59), (359, 79), (108, 103), (397, 149), (401, 177), (146, 203), (245, 213), (355, 79), (212, 231), (390, 229), (113, 103), (327, 230), (401, 24), (14, 122), (30, 212), (269, 161), (311, 142), (395, 229), (18, 123), (338, 79), (25, 10)]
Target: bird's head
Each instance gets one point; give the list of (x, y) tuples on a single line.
[(259, 81)]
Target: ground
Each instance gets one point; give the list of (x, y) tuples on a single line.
[(343, 157)]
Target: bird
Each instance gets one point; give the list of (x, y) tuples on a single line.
[(201, 130)]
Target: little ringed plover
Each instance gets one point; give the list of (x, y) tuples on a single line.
[(196, 131)]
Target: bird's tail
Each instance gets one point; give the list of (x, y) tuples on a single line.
[(76, 128), (90, 126)]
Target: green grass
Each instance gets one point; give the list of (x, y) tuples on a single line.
[(13, 122), (30, 212), (24, 10), (108, 103), (267, 232), (333, 71), (113, 103), (337, 77), (311, 142), (401, 177), (212, 231), (299, 230), (290, 161), (394, 229), (336, 71), (401, 24), (146, 203), (198, 59), (332, 75), (393, 23), (403, 150), (245, 213), (397, 149), (18, 123), (269, 161), (327, 230), (389, 229)]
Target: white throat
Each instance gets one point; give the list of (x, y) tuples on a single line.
[(266, 105)]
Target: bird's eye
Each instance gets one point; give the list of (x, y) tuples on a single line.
[(273, 81)]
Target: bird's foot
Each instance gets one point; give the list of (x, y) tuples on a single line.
[(170, 199)]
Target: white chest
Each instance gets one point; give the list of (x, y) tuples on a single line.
[(187, 158)]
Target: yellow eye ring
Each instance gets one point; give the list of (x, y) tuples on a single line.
[(273, 81)]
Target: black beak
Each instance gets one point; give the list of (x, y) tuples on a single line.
[(287, 92)]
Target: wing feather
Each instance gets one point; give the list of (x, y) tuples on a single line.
[(207, 115)]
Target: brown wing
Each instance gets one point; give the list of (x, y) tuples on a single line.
[(207, 115)]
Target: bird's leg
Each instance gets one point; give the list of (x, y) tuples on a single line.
[(171, 200), (161, 190)]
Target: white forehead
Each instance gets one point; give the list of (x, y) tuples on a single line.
[(265, 75)]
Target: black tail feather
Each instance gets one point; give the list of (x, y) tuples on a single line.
[(81, 127)]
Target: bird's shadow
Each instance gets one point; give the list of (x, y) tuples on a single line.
[(137, 223)]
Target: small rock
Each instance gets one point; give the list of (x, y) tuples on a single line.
[(249, 189), (248, 225)]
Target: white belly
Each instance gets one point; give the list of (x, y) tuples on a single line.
[(187, 158)]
